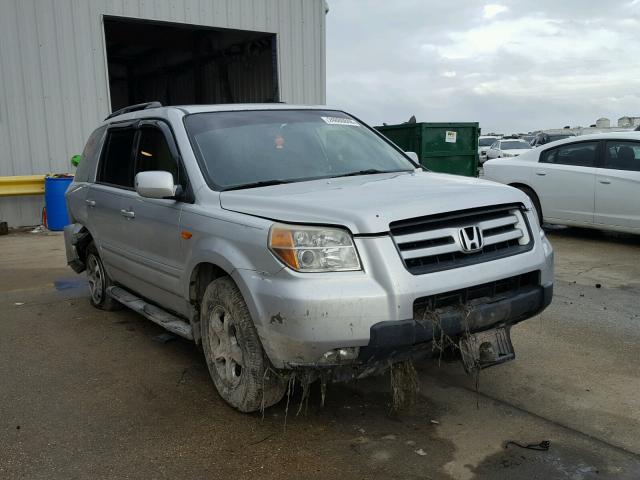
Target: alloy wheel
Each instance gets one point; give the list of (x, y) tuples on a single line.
[(223, 343), (95, 276)]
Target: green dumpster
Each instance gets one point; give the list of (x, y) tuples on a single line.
[(441, 147)]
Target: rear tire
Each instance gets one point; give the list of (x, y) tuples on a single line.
[(99, 281), (238, 366), (534, 199)]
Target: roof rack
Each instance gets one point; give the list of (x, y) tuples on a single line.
[(134, 108)]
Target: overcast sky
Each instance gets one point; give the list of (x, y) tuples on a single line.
[(513, 66)]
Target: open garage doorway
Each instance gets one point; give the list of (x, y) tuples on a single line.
[(181, 64)]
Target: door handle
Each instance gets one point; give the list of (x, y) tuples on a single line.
[(127, 213), (90, 203), (541, 173), (605, 181)]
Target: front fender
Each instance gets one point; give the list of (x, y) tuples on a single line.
[(227, 244)]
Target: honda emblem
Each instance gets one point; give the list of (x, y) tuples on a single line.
[(471, 239)]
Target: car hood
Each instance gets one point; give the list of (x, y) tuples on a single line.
[(368, 203)]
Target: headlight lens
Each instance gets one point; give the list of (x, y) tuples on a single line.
[(314, 249)]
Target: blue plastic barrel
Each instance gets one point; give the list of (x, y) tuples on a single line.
[(54, 189)]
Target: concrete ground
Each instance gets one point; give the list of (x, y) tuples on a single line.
[(91, 394)]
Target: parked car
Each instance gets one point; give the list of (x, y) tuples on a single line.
[(484, 142), (298, 239), (511, 147), (543, 138), (588, 181)]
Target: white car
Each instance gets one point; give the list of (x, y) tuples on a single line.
[(587, 181), (484, 142), (511, 147)]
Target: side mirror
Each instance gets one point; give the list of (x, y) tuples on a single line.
[(155, 184), (413, 156)]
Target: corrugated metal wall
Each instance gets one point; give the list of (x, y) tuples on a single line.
[(53, 74)]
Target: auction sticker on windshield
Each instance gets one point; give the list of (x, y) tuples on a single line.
[(340, 121)]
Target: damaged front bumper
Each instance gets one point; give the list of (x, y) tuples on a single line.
[(385, 312), (412, 339), (390, 338)]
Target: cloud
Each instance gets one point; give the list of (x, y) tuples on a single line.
[(493, 9), (535, 64)]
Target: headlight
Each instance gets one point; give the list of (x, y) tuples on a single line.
[(314, 249), (504, 154)]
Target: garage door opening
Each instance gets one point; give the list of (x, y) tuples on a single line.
[(180, 64)]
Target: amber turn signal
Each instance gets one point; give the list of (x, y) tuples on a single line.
[(281, 243)]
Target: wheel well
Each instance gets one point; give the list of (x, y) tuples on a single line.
[(203, 274), (527, 188), (522, 186)]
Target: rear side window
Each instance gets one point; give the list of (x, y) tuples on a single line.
[(576, 154), (117, 161), (89, 158), (154, 153), (623, 155)]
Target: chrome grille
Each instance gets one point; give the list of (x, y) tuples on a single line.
[(433, 243)]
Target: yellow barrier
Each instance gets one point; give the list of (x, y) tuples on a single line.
[(22, 185)]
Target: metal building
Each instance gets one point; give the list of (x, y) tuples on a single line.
[(66, 64)]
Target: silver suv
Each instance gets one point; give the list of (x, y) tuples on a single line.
[(298, 239)]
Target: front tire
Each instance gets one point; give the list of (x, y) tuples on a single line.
[(99, 281), (238, 366)]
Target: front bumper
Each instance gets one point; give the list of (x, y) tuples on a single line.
[(299, 317), (389, 339)]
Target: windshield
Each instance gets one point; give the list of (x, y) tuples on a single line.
[(486, 142), (514, 145), (250, 148)]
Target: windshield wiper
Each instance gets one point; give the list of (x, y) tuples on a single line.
[(267, 183), (369, 171), (262, 183)]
